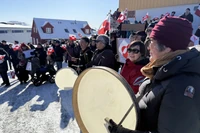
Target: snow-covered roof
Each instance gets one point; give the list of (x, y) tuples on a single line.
[(14, 26), (59, 28)]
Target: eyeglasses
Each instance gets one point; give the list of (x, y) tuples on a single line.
[(135, 51)]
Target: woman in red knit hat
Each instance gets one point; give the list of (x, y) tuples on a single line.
[(169, 97)]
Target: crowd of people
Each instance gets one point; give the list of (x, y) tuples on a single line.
[(157, 64)]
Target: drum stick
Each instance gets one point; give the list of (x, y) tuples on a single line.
[(107, 120), (69, 54), (129, 110)]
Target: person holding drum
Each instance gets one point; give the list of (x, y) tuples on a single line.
[(104, 55), (135, 61), (169, 98), (85, 55)]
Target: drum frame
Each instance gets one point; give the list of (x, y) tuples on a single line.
[(75, 94)]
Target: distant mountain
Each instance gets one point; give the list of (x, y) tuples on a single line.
[(17, 23)]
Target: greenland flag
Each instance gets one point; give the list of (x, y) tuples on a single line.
[(72, 37), (167, 14), (105, 26), (198, 11), (194, 39), (16, 47), (2, 57), (145, 18), (122, 16), (80, 35), (50, 51)]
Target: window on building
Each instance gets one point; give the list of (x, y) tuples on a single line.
[(17, 31), (33, 40), (74, 31), (87, 31), (28, 30), (3, 31), (48, 30), (66, 30)]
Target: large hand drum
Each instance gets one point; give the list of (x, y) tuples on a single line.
[(101, 92), (65, 78)]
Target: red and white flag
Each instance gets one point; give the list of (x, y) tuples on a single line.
[(105, 26), (146, 17), (2, 57), (194, 39), (198, 11), (156, 19), (80, 35), (64, 46), (50, 51), (72, 37), (122, 16), (16, 47), (167, 14)]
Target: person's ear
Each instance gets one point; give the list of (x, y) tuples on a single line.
[(167, 50)]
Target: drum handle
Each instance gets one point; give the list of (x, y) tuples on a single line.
[(78, 66), (129, 110)]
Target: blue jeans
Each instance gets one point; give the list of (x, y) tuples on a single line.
[(59, 65)]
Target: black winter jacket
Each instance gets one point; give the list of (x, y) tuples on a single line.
[(41, 54), (104, 57), (4, 65), (84, 58), (170, 103), (58, 53), (189, 17)]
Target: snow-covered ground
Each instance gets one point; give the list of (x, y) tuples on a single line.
[(29, 109)]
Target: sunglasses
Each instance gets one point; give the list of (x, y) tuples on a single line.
[(135, 51)]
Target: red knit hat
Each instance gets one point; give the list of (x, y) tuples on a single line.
[(173, 32)]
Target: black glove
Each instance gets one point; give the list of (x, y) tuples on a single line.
[(114, 128)]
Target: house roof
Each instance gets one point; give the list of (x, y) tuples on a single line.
[(59, 28)]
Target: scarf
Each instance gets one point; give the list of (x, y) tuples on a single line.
[(149, 70)]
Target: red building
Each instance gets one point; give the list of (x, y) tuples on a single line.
[(47, 29)]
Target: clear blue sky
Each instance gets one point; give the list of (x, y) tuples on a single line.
[(93, 11)]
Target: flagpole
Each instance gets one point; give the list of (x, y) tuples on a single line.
[(109, 15)]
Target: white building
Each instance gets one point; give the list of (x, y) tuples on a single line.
[(156, 12), (11, 32), (155, 8)]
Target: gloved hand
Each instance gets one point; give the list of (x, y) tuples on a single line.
[(113, 127)]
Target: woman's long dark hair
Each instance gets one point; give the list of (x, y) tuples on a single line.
[(140, 44)]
